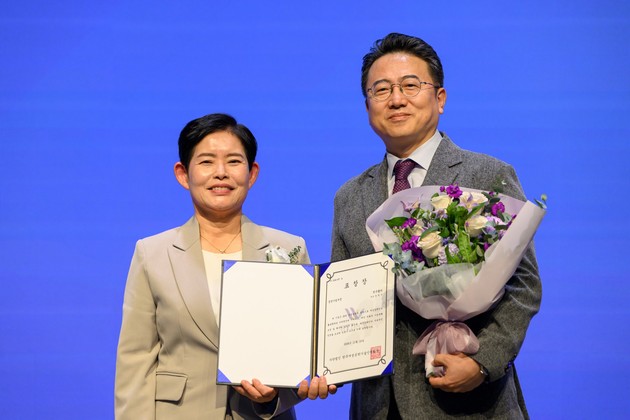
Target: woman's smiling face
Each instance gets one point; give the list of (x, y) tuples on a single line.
[(218, 176)]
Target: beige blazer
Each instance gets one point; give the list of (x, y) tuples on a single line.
[(166, 363)]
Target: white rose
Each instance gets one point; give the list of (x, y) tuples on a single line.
[(417, 230), (441, 202), (471, 199), (475, 224), (431, 245), (277, 254)]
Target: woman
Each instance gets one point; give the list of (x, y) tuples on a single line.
[(167, 352)]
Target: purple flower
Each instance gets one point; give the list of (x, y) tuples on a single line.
[(510, 222), (412, 245), (411, 222), (497, 208), (495, 221), (453, 249), (453, 191), (409, 207), (489, 230), (486, 245), (441, 214), (442, 257)]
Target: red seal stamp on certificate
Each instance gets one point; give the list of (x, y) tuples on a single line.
[(375, 352)]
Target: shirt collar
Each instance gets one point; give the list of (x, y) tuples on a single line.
[(422, 155)]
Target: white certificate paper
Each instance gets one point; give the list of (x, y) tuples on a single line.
[(282, 323), (356, 319)]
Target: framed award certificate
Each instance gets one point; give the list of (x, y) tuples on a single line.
[(282, 323)]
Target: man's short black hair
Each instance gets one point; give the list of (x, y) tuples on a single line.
[(411, 45)]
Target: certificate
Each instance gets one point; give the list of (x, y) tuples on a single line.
[(282, 323)]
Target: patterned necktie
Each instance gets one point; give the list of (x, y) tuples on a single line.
[(402, 169)]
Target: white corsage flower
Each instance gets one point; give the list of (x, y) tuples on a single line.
[(278, 254)]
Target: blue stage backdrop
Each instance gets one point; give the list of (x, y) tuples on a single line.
[(93, 96)]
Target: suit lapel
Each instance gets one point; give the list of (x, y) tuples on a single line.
[(255, 243), (444, 168), (374, 191), (189, 270), (188, 267)]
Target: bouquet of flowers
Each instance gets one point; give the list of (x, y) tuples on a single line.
[(453, 250)]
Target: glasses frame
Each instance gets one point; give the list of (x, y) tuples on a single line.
[(370, 90)]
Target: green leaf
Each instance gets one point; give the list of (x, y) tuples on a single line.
[(479, 251), (465, 248), (491, 198), (396, 221), (431, 229), (476, 210)]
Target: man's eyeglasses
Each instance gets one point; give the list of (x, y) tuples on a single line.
[(381, 91)]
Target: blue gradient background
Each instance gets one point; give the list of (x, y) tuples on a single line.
[(93, 96)]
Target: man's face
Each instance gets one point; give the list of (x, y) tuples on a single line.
[(404, 123), (218, 176)]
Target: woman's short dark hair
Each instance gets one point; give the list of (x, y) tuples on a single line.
[(197, 129), (411, 45)]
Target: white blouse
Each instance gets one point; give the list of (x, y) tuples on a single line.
[(212, 262)]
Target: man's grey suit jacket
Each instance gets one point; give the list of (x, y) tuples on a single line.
[(501, 330)]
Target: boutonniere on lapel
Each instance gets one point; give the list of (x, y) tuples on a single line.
[(279, 254)]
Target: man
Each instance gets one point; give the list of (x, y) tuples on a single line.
[(402, 81)]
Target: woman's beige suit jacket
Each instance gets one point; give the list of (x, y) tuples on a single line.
[(166, 364)]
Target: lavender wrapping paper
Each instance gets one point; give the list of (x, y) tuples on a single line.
[(470, 294)]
